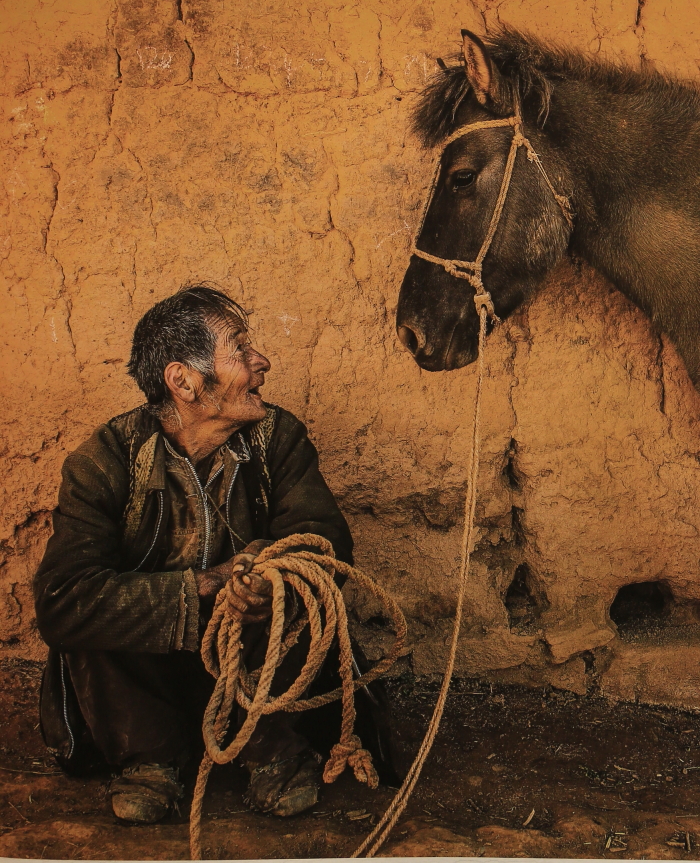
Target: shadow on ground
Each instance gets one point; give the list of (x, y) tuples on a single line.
[(603, 780)]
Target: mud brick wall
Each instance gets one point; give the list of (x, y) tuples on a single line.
[(264, 145)]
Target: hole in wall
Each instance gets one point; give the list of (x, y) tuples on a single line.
[(524, 601), (643, 606), (588, 658)]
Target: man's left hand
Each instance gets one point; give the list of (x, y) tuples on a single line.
[(253, 594)]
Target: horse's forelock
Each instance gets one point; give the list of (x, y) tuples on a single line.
[(434, 115)]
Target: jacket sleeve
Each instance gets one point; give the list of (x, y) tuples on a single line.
[(301, 501), (83, 599)]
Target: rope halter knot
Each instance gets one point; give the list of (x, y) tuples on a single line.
[(471, 270)]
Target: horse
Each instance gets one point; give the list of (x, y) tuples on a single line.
[(618, 187)]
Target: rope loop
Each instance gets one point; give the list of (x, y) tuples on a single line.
[(312, 576)]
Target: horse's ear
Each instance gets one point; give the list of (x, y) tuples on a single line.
[(489, 86)]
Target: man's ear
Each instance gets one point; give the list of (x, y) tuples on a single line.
[(490, 87), (182, 382)]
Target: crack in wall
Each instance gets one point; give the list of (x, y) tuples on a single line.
[(381, 71), (53, 256), (640, 32), (190, 64), (56, 177), (110, 111), (638, 16), (32, 521)]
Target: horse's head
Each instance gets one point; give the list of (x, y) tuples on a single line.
[(436, 317)]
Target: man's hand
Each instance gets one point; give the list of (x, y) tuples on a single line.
[(252, 600)]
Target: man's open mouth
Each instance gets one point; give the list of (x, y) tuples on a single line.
[(255, 390)]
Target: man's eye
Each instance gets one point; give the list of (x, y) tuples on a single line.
[(463, 180)]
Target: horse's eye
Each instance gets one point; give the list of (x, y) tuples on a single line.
[(463, 180)]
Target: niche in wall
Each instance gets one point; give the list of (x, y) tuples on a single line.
[(643, 607), (524, 600)]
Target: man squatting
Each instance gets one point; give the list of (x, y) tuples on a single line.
[(156, 510)]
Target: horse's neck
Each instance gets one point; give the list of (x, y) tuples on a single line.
[(637, 202)]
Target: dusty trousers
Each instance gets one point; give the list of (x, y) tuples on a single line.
[(148, 707)]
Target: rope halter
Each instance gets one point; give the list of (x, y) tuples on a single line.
[(471, 270)]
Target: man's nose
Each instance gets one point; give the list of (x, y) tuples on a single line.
[(260, 363)]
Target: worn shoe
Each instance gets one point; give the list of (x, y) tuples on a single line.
[(286, 787), (146, 793)]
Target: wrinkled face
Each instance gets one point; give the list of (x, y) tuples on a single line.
[(436, 317), (240, 372)]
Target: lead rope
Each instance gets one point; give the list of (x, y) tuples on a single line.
[(378, 836), (471, 271)]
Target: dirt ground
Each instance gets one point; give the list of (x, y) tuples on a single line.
[(514, 772)]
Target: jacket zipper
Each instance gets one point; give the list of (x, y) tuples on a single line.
[(207, 517), (228, 495), (155, 535), (65, 708)]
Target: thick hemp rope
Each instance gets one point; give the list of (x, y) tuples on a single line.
[(311, 575)]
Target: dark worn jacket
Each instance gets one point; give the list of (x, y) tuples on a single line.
[(100, 585)]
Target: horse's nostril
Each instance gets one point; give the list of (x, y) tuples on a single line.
[(408, 338)]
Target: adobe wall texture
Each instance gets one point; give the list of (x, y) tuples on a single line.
[(263, 145)]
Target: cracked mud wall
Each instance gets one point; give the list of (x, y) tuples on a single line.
[(264, 146)]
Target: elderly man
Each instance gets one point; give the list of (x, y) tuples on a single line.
[(156, 510)]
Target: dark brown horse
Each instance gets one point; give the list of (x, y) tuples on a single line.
[(624, 146)]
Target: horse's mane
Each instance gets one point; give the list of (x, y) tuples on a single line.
[(534, 68)]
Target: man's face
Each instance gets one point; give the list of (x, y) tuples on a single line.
[(240, 372)]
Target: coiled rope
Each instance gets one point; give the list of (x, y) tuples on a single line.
[(311, 575)]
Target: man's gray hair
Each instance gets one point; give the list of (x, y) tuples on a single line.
[(181, 328)]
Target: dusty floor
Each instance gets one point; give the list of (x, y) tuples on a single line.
[(612, 781)]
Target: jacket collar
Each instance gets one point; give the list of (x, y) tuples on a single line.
[(234, 451)]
